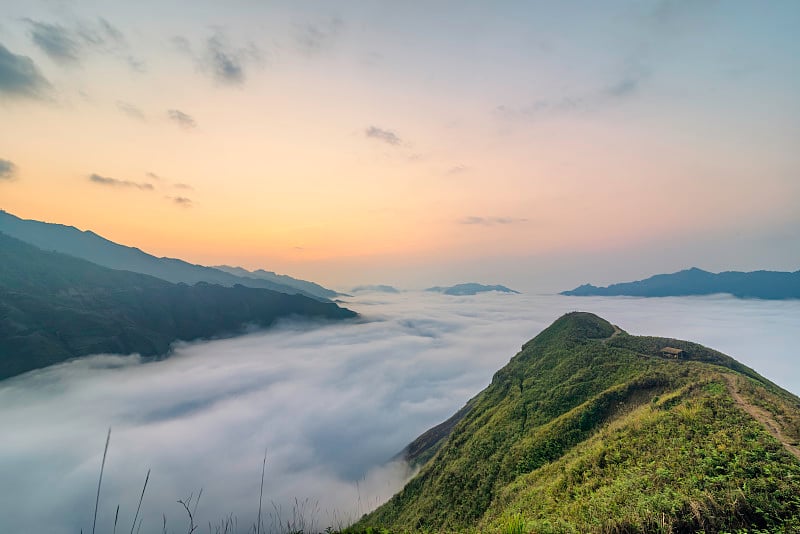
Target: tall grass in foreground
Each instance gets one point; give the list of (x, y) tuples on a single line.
[(514, 524), (300, 518)]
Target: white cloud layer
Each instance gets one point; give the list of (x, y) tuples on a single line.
[(330, 404)]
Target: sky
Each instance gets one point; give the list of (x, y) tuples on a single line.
[(331, 405), (537, 144)]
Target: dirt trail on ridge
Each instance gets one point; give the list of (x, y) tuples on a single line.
[(617, 332), (762, 416)]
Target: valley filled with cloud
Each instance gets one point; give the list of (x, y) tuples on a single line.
[(331, 404)]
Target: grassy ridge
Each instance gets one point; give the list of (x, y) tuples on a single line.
[(586, 430)]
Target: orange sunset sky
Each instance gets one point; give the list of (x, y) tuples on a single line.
[(537, 144)]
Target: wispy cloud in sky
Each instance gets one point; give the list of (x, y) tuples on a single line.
[(224, 62), (184, 120), (314, 39), (7, 170), (680, 14), (130, 110), (387, 136), (54, 40), (183, 202), (613, 93), (456, 169), (181, 44), (114, 182), (19, 75), (69, 45), (490, 221), (180, 200), (103, 36), (625, 86)]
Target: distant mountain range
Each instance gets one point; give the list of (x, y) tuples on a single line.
[(379, 288), (96, 249), (55, 307), (469, 289), (311, 288), (590, 429), (694, 281)]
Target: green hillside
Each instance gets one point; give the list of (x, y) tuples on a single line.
[(54, 307), (589, 429)]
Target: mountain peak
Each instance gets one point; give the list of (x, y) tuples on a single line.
[(575, 326), (590, 424), (589, 324)]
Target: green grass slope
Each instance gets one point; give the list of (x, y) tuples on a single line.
[(54, 307), (589, 429)]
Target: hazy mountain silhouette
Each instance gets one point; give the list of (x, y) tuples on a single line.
[(378, 288), (694, 281), (96, 249), (469, 289), (311, 288)]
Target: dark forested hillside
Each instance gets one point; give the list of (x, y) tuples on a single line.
[(55, 307), (99, 250)]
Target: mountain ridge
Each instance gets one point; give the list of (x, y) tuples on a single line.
[(591, 429), (470, 288), (90, 246), (761, 284), (55, 307), (378, 288), (305, 285)]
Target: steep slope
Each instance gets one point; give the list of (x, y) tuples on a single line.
[(589, 429), (694, 281), (54, 307), (96, 249)]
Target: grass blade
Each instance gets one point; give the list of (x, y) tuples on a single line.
[(141, 497), (261, 493), (100, 482)]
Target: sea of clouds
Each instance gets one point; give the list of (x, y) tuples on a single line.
[(330, 404)]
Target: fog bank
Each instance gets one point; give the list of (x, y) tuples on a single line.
[(330, 405)]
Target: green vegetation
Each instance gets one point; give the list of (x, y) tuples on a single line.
[(54, 307), (694, 281), (589, 429)]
